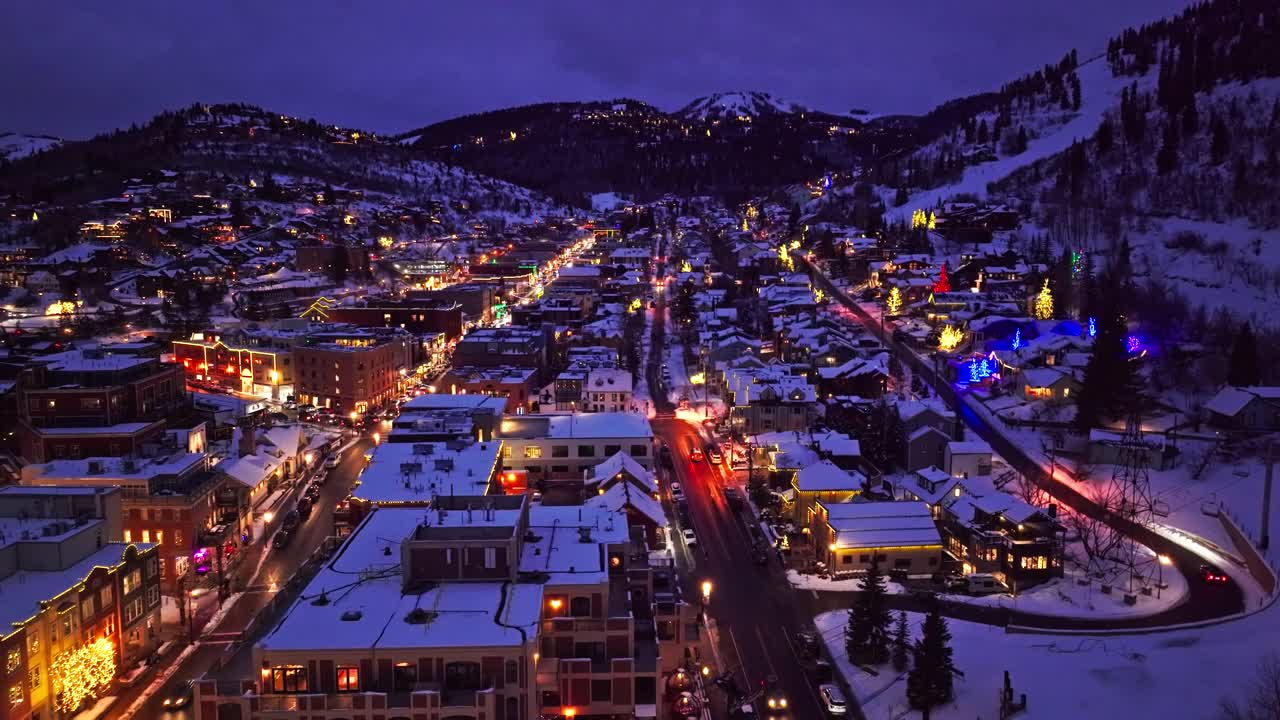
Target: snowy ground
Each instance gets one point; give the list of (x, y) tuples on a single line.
[(1179, 674), (1062, 597)]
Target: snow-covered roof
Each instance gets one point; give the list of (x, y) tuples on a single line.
[(414, 472), (825, 476), (620, 462), (1230, 400), (366, 606), (882, 524)]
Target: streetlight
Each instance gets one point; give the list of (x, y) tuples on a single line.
[(1163, 560), (706, 591)]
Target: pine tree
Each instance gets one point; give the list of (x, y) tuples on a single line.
[(1105, 136), (1221, 141), (1167, 157), (1110, 388), (901, 643), (930, 681), (867, 633), (1243, 369)]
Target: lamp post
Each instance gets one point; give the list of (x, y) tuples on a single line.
[(1163, 560)]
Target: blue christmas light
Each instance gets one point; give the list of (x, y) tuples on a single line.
[(1093, 327), (1017, 339), (1132, 344), (973, 372), (984, 369)]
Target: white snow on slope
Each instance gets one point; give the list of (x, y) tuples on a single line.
[(14, 146), (1099, 92)]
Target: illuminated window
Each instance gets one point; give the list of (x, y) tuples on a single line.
[(15, 694), (146, 536), (1036, 562), (132, 581), (159, 537), (289, 679), (177, 537), (532, 452), (104, 596), (13, 660), (33, 645), (348, 679), (35, 678), (128, 536)]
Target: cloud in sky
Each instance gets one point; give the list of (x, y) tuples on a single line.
[(79, 67)]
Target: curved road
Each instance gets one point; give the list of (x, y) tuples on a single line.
[(1204, 602)]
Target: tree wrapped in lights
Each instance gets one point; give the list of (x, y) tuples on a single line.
[(943, 285), (950, 338), (81, 673), (894, 303), (1044, 303)]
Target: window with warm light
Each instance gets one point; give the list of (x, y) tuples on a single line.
[(15, 694), (348, 679), (532, 452), (289, 679)]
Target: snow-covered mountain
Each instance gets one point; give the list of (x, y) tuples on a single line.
[(729, 105), (14, 146)]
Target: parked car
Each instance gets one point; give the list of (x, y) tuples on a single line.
[(677, 492), (304, 507), (312, 492), (664, 456), (832, 699), (1210, 575), (290, 520), (332, 462), (281, 539), (690, 538), (180, 697), (733, 497), (983, 584)]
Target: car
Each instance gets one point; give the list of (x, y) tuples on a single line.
[(180, 697), (304, 507), (677, 492), (833, 699), (664, 456), (290, 520), (733, 497), (312, 492), (690, 538), (714, 456), (1210, 575), (695, 452), (332, 462), (281, 539)]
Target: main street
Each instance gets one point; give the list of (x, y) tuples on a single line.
[(225, 646), (752, 607), (1204, 602)]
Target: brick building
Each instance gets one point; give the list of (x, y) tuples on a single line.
[(88, 402), (352, 370)]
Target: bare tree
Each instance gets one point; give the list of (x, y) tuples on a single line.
[(1098, 539), (1031, 493), (1262, 701)]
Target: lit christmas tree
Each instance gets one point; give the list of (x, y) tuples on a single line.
[(1044, 302), (894, 302), (943, 285), (950, 338)]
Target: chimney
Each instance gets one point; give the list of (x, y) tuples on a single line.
[(248, 441)]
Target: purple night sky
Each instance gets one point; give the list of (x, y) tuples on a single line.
[(79, 67)]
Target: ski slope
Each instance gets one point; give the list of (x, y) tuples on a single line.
[(1099, 92)]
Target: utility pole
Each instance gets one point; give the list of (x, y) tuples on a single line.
[(1269, 459)]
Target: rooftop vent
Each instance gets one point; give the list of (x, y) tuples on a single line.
[(351, 615), (323, 599), (584, 534), (420, 616)]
